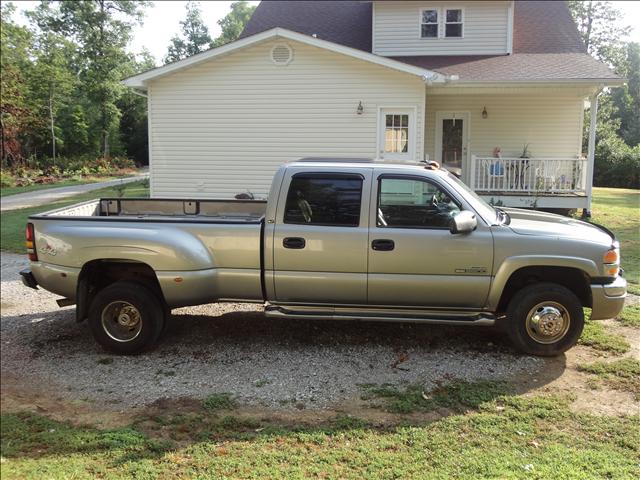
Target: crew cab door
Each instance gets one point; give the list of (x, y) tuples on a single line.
[(414, 260), (320, 237)]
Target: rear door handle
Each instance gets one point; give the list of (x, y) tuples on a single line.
[(294, 242), (383, 245)]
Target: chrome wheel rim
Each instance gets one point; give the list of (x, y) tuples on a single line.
[(121, 321), (548, 322)]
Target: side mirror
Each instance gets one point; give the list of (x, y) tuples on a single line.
[(464, 222)]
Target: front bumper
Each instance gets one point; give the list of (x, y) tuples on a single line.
[(28, 279), (608, 299)]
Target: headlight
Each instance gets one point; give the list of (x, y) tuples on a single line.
[(611, 261)]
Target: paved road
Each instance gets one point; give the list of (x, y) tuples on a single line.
[(42, 197)]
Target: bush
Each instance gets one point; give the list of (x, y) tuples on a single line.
[(7, 179), (616, 164)]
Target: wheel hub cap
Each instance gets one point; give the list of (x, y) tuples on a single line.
[(121, 321), (547, 322)]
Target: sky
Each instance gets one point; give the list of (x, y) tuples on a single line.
[(162, 21)]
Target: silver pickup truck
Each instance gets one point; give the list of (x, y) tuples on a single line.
[(337, 239)]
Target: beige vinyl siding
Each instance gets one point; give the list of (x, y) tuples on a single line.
[(396, 29), (224, 126), (550, 124)]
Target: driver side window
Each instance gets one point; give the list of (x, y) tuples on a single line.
[(413, 203)]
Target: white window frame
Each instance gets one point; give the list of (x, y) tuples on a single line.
[(413, 145), (442, 22), (445, 23), (437, 24)]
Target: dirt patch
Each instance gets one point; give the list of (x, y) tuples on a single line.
[(19, 394)]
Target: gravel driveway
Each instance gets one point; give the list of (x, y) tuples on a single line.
[(233, 348)]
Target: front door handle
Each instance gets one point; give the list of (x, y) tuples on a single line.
[(383, 245), (294, 242)]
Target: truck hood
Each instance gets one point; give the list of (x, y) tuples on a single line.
[(531, 222)]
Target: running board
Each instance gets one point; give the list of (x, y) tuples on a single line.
[(437, 317)]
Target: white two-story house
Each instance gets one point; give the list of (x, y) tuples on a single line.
[(493, 90)]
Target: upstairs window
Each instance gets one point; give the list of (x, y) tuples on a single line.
[(453, 23), (429, 24)]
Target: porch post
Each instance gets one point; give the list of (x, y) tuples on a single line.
[(591, 152)]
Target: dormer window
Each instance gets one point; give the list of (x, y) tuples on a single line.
[(442, 23), (453, 23), (429, 23)]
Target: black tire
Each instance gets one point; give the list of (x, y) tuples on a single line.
[(533, 325), (126, 318)]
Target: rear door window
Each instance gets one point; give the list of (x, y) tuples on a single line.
[(324, 199)]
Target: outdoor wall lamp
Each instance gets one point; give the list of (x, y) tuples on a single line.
[(484, 112), (360, 109)]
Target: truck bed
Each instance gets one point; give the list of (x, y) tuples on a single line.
[(157, 209)]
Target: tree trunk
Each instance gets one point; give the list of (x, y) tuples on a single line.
[(53, 130), (589, 25)]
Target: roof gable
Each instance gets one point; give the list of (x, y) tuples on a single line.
[(139, 80)]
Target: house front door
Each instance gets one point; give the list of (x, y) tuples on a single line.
[(452, 141), (396, 128)]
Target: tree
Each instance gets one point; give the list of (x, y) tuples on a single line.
[(51, 79), (133, 123), (233, 23), (599, 24), (627, 98), (195, 36), (102, 30), (15, 114)]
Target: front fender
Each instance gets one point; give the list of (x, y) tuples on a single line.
[(512, 264)]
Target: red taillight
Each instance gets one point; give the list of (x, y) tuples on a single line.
[(31, 243)]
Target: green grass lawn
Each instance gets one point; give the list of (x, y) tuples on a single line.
[(618, 209), (65, 183), (12, 222), (507, 437)]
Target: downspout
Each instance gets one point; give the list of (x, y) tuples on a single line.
[(593, 110)]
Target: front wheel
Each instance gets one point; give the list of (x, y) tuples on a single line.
[(544, 319), (126, 318)]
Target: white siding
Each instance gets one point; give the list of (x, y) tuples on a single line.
[(550, 124), (224, 126), (396, 29)]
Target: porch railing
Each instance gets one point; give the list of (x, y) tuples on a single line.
[(528, 175)]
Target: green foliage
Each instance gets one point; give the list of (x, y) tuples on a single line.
[(61, 91), (233, 23), (630, 316), (15, 110), (626, 99), (600, 26), (456, 395), (218, 401), (194, 36), (597, 337), (623, 374)]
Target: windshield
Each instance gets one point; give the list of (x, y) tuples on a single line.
[(486, 211)]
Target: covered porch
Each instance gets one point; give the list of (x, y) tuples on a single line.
[(516, 146)]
